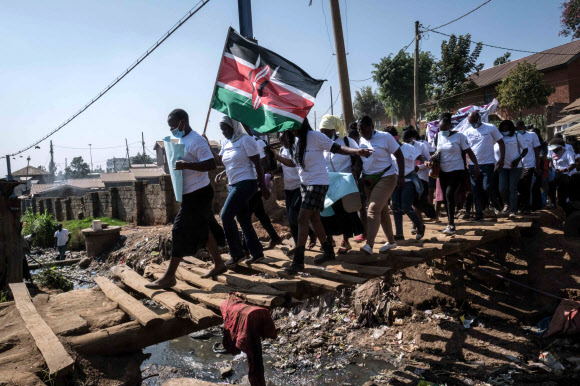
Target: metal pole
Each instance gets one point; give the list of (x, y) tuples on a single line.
[(143, 143), (331, 102), (416, 76), (91, 152), (52, 167), (128, 158), (27, 170), (245, 17), (347, 113), (8, 170)]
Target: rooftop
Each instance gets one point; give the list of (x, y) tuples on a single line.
[(118, 177), (147, 172), (30, 171)]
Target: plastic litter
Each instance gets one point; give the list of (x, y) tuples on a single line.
[(542, 326), (466, 322), (551, 361)]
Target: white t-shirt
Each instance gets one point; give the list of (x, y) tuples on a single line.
[(514, 146), (236, 159), (338, 162), (261, 146), (450, 150), (570, 148), (314, 171), (291, 177), (564, 161), (429, 146), (384, 145), (532, 142), (481, 141), (61, 237), (196, 150), (423, 148), (410, 154)]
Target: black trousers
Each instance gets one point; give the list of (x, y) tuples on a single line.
[(559, 186), (450, 182), (525, 189)]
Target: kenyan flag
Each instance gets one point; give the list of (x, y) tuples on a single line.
[(262, 89)]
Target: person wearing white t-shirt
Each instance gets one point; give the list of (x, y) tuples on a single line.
[(422, 203), (481, 138), (380, 181), (308, 157), (563, 162), (531, 166), (241, 158), (450, 145), (341, 223), (516, 148), (195, 226), (61, 239)]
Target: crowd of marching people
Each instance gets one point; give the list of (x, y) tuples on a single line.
[(479, 172)]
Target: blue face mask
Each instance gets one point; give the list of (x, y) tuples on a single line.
[(476, 125), (520, 131), (445, 133), (176, 132), (505, 133)]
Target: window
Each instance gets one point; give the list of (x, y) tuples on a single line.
[(394, 121), (487, 96)]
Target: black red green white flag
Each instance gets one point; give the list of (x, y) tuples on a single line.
[(262, 89)]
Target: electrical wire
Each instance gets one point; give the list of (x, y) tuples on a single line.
[(460, 17), (332, 105), (96, 148), (370, 77), (181, 21), (327, 30), (505, 48)]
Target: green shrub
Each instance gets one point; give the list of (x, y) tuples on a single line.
[(50, 278), (43, 224), (74, 227)]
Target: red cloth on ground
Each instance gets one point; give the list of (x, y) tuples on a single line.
[(244, 327)]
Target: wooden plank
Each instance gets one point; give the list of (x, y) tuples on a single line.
[(54, 353), (128, 303), (318, 271), (169, 299), (53, 263), (314, 281)]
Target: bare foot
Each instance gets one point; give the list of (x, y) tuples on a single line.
[(215, 271), (273, 243), (162, 283)]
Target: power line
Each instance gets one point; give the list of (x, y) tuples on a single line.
[(370, 77), (181, 21), (505, 48), (460, 17), (332, 103), (327, 30), (95, 148)]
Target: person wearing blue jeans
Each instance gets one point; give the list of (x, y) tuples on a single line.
[(481, 138), (241, 158)]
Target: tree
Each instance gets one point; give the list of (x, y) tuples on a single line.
[(505, 58), (142, 159), (570, 19), (78, 168), (451, 75), (367, 102), (523, 88), (394, 75)]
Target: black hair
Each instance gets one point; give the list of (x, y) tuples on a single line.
[(507, 125), (410, 134), (445, 116), (301, 144), (520, 123), (365, 120), (179, 114), (558, 135), (353, 133), (353, 126), (393, 131), (409, 127)]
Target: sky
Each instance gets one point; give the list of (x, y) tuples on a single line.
[(58, 55)]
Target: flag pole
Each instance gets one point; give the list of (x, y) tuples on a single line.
[(216, 80)]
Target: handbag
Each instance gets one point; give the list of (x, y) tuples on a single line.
[(372, 179), (352, 202)]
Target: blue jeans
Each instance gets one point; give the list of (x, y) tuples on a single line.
[(483, 187), (237, 205), (508, 187), (402, 202)]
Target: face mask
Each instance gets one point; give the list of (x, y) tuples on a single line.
[(476, 125), (520, 131), (505, 133), (445, 133), (396, 138), (176, 132)]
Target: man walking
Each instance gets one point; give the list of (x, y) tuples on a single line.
[(531, 164), (481, 138), (195, 226), (61, 239)]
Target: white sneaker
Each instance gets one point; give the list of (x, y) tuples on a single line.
[(367, 249), (388, 246), (512, 215), (449, 230)]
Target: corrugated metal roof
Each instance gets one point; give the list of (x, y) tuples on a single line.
[(572, 106), (567, 119), (32, 171), (86, 183), (147, 172), (541, 60), (39, 188), (118, 177)]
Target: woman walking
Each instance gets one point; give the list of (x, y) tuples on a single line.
[(308, 157), (241, 158), (450, 146), (563, 163), (380, 181), (516, 149)]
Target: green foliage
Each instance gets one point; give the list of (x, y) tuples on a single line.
[(3, 296), (49, 277), (142, 159), (505, 58), (395, 77), (74, 227), (433, 115), (570, 19), (451, 74), (367, 102), (42, 224), (523, 88), (78, 168)]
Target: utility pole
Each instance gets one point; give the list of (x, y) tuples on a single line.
[(91, 152), (315, 120), (331, 103), (348, 115), (8, 170), (65, 167), (128, 158), (51, 167), (143, 143), (27, 170), (245, 17), (416, 76)]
